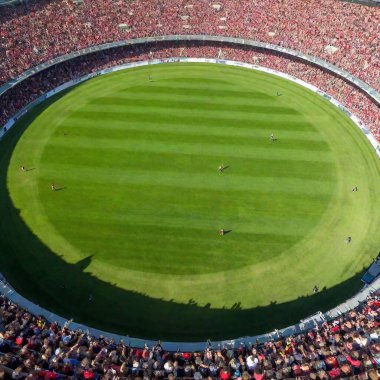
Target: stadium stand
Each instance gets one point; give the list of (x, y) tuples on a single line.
[(327, 29), (342, 33), (32, 348), (357, 102), (345, 34)]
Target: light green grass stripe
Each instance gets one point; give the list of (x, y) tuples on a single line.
[(217, 119), (273, 151), (222, 202), (202, 98), (173, 109), (86, 126), (184, 84), (193, 181), (202, 101), (201, 164), (256, 121), (196, 139), (147, 90), (259, 223)]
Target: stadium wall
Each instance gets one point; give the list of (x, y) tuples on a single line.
[(304, 325)]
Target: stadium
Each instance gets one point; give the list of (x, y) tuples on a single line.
[(189, 189)]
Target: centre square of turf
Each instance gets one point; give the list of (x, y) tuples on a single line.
[(139, 201)]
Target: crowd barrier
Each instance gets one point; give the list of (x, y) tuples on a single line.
[(304, 325)]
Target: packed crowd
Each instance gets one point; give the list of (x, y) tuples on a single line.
[(30, 89), (344, 34), (33, 348), (347, 35)]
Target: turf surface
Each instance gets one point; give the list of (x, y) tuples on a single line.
[(135, 220)]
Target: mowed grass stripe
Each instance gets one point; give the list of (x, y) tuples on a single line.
[(193, 202), (202, 103), (273, 151), (265, 225), (82, 126), (201, 98), (255, 210), (196, 138), (194, 180), (216, 119), (159, 238), (259, 122), (142, 85), (200, 163), (171, 241), (209, 112)]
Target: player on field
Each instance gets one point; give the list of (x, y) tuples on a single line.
[(22, 167), (222, 232), (272, 138), (52, 186), (221, 169)]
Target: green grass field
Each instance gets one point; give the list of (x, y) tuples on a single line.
[(134, 221)]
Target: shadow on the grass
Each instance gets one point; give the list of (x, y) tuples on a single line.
[(45, 278)]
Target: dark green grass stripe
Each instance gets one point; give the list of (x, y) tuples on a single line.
[(196, 92), (195, 180), (252, 223), (254, 202), (173, 137), (259, 202), (140, 95), (271, 150), (202, 163), (187, 84), (165, 240), (197, 82), (200, 103), (252, 88), (287, 128), (188, 110), (265, 224), (255, 210), (291, 122)]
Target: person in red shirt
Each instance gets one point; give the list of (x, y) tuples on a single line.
[(224, 374)]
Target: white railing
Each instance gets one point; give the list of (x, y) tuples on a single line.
[(304, 325)]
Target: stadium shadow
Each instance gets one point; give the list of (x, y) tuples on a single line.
[(68, 290)]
